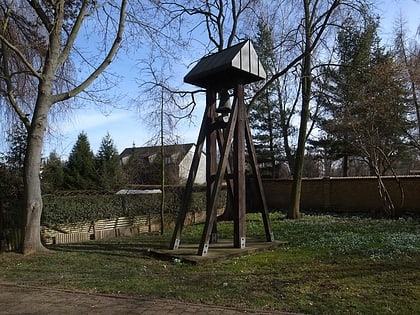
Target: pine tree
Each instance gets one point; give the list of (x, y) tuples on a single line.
[(52, 174), (265, 114), (17, 139), (14, 161), (11, 177), (364, 100), (108, 164), (80, 170)]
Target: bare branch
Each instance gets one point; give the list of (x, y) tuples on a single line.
[(105, 63), (19, 53), (73, 34)]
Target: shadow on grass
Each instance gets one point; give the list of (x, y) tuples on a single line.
[(111, 248)]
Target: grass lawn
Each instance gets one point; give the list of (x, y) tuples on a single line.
[(331, 265)]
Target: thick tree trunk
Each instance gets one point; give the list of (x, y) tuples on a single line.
[(31, 238)]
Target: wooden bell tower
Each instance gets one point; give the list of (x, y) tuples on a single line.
[(226, 131)]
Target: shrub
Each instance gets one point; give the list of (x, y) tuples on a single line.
[(84, 206)]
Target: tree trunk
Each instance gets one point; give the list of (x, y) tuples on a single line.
[(31, 238), (345, 167), (162, 164), (294, 207)]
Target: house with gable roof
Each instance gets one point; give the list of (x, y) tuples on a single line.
[(145, 162)]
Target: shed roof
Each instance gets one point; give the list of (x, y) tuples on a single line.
[(236, 64)]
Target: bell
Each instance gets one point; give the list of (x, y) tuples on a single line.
[(224, 103)]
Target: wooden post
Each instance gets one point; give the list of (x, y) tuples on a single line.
[(211, 153), (221, 170), (260, 190), (239, 195), (228, 213), (186, 196)]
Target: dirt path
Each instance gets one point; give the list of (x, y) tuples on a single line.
[(18, 299)]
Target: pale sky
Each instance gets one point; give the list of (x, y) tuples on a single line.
[(126, 128)]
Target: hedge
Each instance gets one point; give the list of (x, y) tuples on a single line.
[(83, 207), (87, 206)]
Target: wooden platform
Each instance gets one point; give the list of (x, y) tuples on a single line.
[(221, 250)]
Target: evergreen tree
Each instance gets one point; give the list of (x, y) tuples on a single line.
[(80, 170), (364, 101), (408, 53), (17, 139), (11, 178), (265, 114), (52, 174), (13, 162), (108, 164)]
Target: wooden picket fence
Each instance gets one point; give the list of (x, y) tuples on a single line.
[(101, 229), (96, 230), (10, 240), (82, 232)]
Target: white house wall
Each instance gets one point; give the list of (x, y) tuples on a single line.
[(185, 165)]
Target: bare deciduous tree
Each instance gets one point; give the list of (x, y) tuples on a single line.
[(38, 39), (317, 18)]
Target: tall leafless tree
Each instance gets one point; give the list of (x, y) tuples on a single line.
[(38, 39), (316, 21)]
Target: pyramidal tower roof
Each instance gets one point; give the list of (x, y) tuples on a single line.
[(225, 69)]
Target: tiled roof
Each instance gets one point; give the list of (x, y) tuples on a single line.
[(145, 152)]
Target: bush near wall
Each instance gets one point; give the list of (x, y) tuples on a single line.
[(84, 207), (72, 207)]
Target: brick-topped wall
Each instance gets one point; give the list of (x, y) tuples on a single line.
[(345, 194)]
